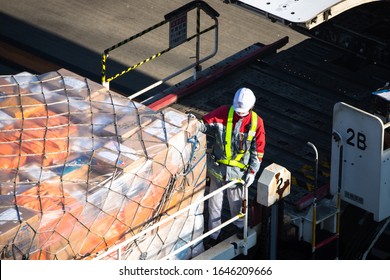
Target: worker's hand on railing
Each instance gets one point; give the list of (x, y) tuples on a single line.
[(250, 178)]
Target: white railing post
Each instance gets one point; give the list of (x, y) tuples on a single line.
[(195, 241), (245, 212)]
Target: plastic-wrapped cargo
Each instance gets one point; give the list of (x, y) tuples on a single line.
[(83, 168)]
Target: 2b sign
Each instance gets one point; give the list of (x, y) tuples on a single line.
[(356, 167), (357, 140)]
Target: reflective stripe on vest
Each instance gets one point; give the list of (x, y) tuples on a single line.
[(216, 175), (228, 141)]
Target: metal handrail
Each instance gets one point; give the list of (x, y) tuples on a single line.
[(118, 247), (200, 5), (243, 214), (200, 238), (314, 209)]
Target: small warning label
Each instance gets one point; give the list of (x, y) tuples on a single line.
[(178, 30)]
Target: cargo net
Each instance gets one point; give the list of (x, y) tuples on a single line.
[(83, 168)]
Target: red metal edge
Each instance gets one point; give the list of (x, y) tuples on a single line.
[(308, 199), (327, 241), (217, 73)]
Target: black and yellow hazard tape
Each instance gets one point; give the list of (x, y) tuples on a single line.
[(198, 33)]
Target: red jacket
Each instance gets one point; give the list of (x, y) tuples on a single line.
[(216, 122)]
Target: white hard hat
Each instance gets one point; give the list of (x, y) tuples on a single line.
[(244, 100)]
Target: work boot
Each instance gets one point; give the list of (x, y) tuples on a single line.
[(240, 233), (209, 243)]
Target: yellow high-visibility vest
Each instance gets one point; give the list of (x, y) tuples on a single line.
[(236, 162)]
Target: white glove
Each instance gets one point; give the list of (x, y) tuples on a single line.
[(250, 178), (198, 124), (191, 116), (200, 127)]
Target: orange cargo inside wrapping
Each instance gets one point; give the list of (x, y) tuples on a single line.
[(117, 177), (22, 106), (45, 140), (58, 208), (11, 156)]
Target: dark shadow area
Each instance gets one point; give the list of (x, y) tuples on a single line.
[(363, 29)]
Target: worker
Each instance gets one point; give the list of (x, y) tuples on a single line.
[(237, 153)]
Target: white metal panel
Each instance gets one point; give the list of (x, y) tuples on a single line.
[(308, 13), (230, 247), (363, 181), (293, 10), (384, 200)]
